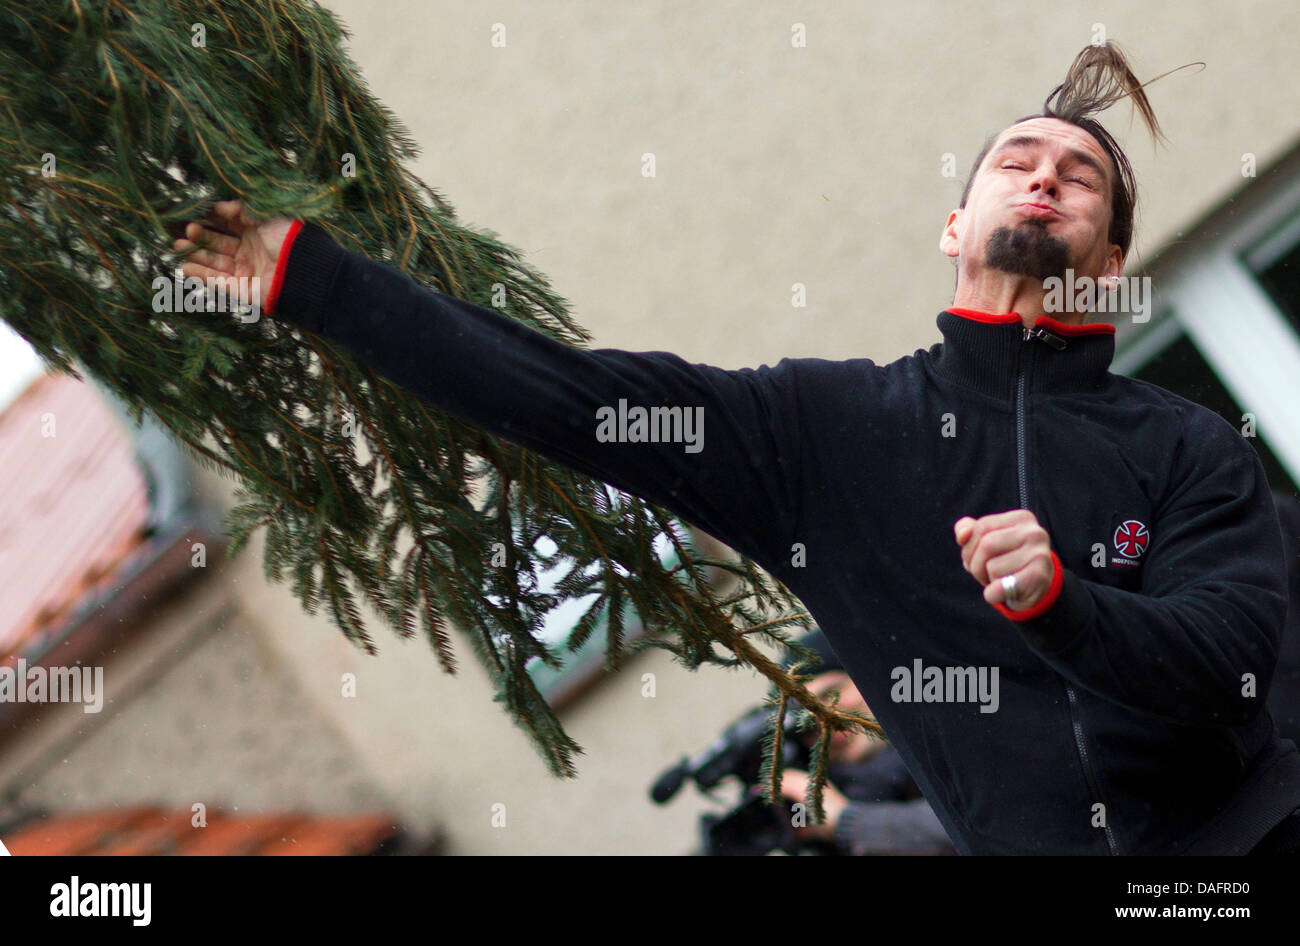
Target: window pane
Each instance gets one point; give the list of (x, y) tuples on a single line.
[(1281, 280), (1181, 369)]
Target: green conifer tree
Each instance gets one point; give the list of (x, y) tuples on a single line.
[(121, 121)]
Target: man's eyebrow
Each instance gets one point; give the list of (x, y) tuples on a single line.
[(1082, 157)]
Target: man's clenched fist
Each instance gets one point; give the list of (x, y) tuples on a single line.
[(1007, 543)]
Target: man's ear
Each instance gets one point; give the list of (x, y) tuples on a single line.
[(948, 240), (1115, 261), (1113, 268)]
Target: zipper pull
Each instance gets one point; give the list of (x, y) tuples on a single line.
[(1043, 334)]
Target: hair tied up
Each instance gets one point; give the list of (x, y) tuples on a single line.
[(1098, 78)]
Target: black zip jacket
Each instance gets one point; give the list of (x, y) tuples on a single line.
[(1130, 700), (1284, 695)]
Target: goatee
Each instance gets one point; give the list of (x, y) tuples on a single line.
[(1027, 250)]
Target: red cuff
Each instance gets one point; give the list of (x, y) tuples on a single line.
[(281, 263), (1049, 599)]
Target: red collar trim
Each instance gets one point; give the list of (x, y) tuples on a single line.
[(1087, 328), (1007, 318), (988, 317)]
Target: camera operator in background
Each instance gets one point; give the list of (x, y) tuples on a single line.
[(872, 804)]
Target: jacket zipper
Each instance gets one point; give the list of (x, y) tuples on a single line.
[(1023, 479)]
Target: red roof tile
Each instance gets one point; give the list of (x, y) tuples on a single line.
[(232, 836), (76, 834), (73, 506), (359, 835), (149, 831), (163, 833)]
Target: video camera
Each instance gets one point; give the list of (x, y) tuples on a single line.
[(753, 825)]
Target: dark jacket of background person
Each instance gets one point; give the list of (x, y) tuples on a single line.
[(886, 813)]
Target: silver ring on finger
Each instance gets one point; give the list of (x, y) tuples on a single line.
[(1009, 587)]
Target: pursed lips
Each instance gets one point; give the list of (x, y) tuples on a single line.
[(1035, 206)]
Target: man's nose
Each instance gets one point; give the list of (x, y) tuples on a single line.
[(1045, 181)]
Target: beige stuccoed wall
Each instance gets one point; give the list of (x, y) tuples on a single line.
[(775, 165)]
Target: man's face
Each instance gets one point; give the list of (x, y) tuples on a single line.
[(1040, 203), (845, 746)]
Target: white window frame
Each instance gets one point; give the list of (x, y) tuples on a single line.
[(1206, 286)]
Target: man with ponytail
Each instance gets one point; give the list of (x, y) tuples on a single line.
[(1000, 507)]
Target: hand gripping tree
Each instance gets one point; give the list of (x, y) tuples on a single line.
[(121, 121)]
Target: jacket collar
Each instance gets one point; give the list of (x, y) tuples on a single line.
[(985, 351)]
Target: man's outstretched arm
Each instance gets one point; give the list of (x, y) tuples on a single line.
[(730, 465)]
